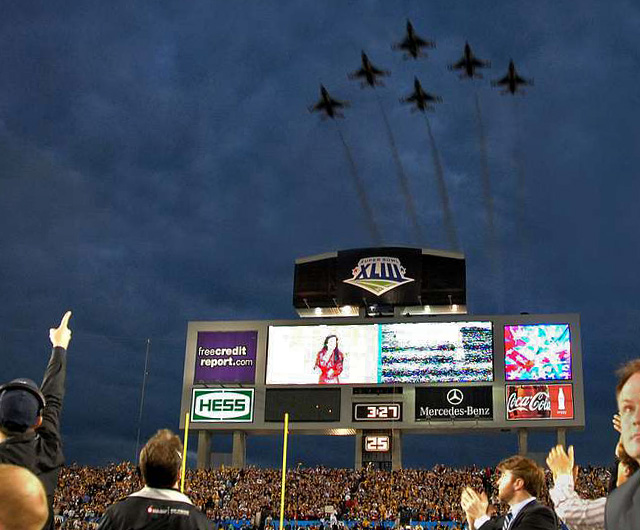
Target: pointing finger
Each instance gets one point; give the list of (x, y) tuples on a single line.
[(65, 320)]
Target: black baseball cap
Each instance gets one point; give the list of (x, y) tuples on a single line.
[(21, 402)]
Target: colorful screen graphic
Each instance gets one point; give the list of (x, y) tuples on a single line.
[(436, 352), (539, 352)]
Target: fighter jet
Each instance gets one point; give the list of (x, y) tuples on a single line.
[(328, 105), (420, 98), (512, 80), (412, 44), (469, 63), (369, 73)]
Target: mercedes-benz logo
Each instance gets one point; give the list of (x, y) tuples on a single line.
[(455, 396)]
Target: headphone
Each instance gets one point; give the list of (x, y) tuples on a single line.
[(29, 386)]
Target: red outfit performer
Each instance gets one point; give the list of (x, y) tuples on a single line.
[(330, 361)]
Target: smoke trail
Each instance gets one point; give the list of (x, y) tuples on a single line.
[(449, 224), (362, 194), (518, 167), (525, 238), (402, 177), (494, 252), (486, 181)]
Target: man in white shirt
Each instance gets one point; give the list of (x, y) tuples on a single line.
[(521, 480), (578, 513)]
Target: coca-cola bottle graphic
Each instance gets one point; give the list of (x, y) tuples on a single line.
[(561, 403)]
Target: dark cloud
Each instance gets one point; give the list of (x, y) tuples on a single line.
[(159, 166)]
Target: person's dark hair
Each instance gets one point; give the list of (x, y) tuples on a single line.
[(337, 354), (526, 469), (625, 372), (326, 341), (160, 460)]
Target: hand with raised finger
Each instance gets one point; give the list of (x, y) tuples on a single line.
[(61, 335)]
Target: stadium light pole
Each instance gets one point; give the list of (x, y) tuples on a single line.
[(144, 385)]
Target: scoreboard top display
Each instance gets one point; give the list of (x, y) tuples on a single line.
[(494, 361)]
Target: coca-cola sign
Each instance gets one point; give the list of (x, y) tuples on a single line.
[(539, 402)]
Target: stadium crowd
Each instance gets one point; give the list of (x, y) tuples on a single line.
[(366, 498)]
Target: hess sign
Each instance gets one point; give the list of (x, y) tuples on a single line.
[(222, 405), (377, 443), (377, 412)]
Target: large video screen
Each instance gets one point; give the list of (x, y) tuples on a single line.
[(408, 353), (304, 355), (436, 352), (537, 352)]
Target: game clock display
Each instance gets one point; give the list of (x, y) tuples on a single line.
[(377, 412)]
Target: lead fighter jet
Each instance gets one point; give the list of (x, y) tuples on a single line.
[(328, 105), (369, 73), (412, 44), (469, 63), (420, 98), (512, 80)]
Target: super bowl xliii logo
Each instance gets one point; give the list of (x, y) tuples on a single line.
[(378, 275)]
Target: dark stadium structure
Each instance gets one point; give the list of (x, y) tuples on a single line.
[(386, 348)]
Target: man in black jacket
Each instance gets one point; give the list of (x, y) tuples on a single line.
[(159, 505), (30, 417), (521, 480)]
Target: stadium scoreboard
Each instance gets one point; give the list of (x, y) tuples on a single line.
[(417, 374)]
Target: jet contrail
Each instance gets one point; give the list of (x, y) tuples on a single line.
[(362, 194), (493, 248), (484, 161), (402, 177), (518, 166), (442, 189)]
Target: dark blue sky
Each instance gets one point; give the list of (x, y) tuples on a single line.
[(159, 165)]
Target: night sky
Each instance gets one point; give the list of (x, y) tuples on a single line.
[(159, 165)]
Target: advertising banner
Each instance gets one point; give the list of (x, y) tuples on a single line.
[(539, 402), (222, 405), (226, 357), (454, 403)]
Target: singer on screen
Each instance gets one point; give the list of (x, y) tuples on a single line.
[(330, 361)]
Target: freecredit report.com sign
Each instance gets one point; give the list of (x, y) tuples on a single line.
[(226, 357)]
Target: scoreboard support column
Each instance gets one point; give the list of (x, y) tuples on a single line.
[(523, 438), (396, 450), (239, 451), (561, 437), (358, 457), (204, 449)]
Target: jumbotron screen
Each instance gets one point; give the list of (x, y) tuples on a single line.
[(423, 352), (537, 352)]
